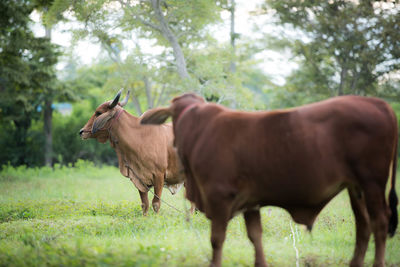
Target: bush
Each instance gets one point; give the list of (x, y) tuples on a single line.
[(67, 145)]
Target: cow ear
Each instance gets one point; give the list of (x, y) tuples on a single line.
[(100, 121), (155, 116)]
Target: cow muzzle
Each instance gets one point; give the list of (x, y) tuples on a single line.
[(84, 134)]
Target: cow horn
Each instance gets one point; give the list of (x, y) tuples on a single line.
[(116, 99), (123, 103)]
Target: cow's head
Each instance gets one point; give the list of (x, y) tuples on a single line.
[(97, 125), (178, 106)]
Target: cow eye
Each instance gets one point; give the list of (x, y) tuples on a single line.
[(97, 113)]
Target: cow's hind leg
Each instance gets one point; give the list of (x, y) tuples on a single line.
[(145, 202), (254, 232), (363, 231), (217, 211), (158, 187), (218, 231), (379, 219)]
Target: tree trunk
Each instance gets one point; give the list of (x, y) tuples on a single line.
[(48, 141), (160, 98), (48, 120), (136, 104), (20, 138), (233, 36), (147, 86), (343, 75), (170, 36), (355, 90)]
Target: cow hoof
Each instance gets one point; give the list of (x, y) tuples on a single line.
[(144, 210), (156, 207)]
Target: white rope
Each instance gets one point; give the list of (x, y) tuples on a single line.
[(187, 217), (294, 244), (148, 189)]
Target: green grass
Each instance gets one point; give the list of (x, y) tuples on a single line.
[(91, 216)]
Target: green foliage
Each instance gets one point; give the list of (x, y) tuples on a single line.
[(67, 145), (27, 74), (137, 21), (242, 89), (343, 47), (152, 78), (91, 216), (337, 52), (187, 19)]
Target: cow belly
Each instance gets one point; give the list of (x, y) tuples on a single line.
[(174, 188), (307, 194), (138, 178), (305, 201), (302, 194), (304, 215), (139, 184), (174, 177), (305, 208)]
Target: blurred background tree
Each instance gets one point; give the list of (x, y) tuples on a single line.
[(158, 49), (27, 73), (342, 47)]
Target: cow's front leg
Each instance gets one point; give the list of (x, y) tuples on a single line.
[(158, 187), (145, 202)]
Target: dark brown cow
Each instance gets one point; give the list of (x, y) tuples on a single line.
[(297, 159), (145, 152)]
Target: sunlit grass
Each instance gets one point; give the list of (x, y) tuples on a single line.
[(91, 216)]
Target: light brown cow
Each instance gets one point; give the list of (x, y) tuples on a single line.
[(297, 159), (145, 152)]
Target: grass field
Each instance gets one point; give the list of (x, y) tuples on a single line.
[(90, 216)]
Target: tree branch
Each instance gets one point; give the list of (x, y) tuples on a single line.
[(169, 35), (137, 17), (136, 104), (149, 24), (160, 96)]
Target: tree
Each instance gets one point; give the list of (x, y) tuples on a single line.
[(123, 25), (143, 80), (177, 22), (26, 70), (233, 34), (42, 6), (345, 47)]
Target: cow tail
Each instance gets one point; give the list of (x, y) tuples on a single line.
[(393, 201)]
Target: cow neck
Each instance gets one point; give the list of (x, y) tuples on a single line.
[(186, 109), (128, 163), (114, 119)]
